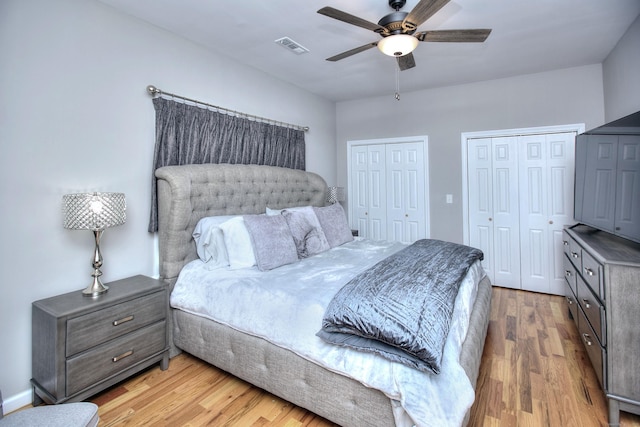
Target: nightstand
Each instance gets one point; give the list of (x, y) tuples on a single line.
[(82, 345)]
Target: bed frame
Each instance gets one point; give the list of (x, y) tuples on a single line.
[(188, 193)]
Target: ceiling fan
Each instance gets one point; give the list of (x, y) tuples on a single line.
[(398, 31)]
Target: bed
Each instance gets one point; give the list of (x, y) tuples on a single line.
[(186, 194)]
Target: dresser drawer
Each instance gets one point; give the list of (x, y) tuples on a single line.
[(573, 250), (117, 355), (596, 353), (87, 331), (569, 274), (592, 273), (593, 311), (571, 302)]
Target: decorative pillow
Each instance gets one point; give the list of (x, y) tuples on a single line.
[(209, 241), (279, 211), (334, 224), (238, 243), (308, 237), (273, 244)]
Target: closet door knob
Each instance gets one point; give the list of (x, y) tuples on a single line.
[(490, 219), (550, 221)]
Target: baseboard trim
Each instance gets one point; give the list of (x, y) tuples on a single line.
[(17, 401)]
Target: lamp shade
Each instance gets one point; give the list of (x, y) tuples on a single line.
[(335, 194), (93, 211), (398, 44)]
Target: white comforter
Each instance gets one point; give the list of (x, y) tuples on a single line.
[(286, 306)]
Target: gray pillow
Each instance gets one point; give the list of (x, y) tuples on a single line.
[(334, 224), (272, 242), (308, 237)]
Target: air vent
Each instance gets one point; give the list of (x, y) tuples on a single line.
[(294, 47)]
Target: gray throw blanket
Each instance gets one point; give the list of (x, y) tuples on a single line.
[(401, 308)]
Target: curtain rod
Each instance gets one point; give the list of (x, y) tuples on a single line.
[(153, 91)]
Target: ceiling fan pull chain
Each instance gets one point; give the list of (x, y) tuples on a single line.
[(397, 81)]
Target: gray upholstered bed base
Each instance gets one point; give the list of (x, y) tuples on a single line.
[(188, 193)]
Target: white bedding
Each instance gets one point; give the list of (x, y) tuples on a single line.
[(286, 306)]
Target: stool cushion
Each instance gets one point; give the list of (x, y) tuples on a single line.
[(80, 414)]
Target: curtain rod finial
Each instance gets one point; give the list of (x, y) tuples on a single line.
[(153, 90)]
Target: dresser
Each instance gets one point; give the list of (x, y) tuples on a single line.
[(82, 345), (602, 278)]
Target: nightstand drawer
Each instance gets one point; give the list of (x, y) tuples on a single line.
[(87, 331), (106, 360)]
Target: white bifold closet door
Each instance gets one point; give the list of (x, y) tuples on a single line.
[(387, 191), (520, 197)]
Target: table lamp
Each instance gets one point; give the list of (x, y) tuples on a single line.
[(94, 211)]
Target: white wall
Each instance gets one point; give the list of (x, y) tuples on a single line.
[(621, 70), (75, 116), (565, 96)]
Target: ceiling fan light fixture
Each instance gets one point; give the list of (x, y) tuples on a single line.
[(398, 44)]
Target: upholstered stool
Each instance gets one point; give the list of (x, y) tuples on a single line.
[(80, 414)]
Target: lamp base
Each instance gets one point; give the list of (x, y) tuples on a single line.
[(96, 288)]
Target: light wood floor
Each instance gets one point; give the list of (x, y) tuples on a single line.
[(535, 372)]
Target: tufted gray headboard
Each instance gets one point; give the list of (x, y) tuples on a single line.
[(191, 192)]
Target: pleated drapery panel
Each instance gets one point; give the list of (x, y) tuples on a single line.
[(189, 134)]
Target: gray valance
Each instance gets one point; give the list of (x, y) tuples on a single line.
[(189, 134)]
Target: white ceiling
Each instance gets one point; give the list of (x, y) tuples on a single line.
[(528, 36)]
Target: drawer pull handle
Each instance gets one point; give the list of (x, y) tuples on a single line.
[(588, 271), (122, 356), (123, 320), (567, 273), (564, 242), (587, 339), (586, 302), (569, 301), (575, 255)]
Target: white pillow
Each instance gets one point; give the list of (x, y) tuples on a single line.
[(210, 244), (238, 243)]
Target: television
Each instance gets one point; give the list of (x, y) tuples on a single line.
[(607, 178)]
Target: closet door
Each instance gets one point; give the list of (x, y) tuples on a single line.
[(546, 206), (480, 188), (405, 192), (368, 183), (506, 233), (388, 189), (493, 207)]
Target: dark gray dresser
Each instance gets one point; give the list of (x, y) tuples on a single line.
[(82, 345), (602, 274)]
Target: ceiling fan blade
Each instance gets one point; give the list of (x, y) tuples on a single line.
[(424, 10), (348, 53), (460, 36), (351, 19), (407, 61)]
